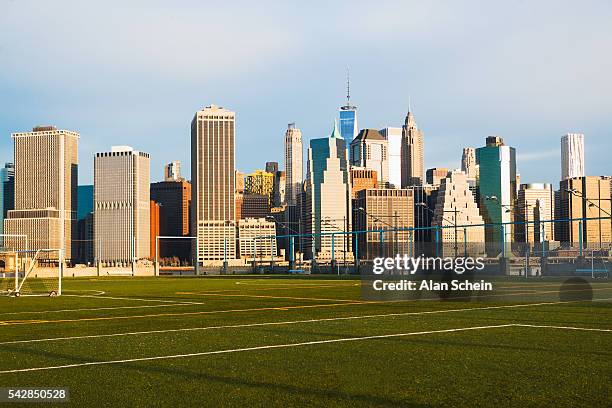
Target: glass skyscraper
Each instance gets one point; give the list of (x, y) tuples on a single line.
[(497, 188), (348, 123)]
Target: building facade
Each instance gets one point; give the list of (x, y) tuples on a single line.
[(254, 206), (413, 167), (393, 135), (174, 198), (7, 194), (172, 171), (46, 174), (458, 217), (121, 206), (435, 175), (362, 179), (260, 182), (585, 209), (369, 150), (572, 156), (384, 209), (294, 168), (256, 239), (536, 210), (497, 189), (327, 208), (468, 162), (213, 186)]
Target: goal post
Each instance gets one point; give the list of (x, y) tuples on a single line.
[(36, 272)]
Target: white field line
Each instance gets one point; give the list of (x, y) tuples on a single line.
[(562, 327), (288, 345), (96, 309), (135, 299), (245, 325), (273, 346)]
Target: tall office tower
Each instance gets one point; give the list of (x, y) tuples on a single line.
[(251, 244), (456, 206), (7, 194), (572, 156), (328, 204), (121, 205), (393, 135), (260, 182), (380, 209), (272, 167), (294, 169), (369, 150), (46, 163), (83, 244), (279, 193), (535, 209), (174, 198), (413, 167), (348, 117), (362, 179), (582, 198), (435, 175), (468, 162), (172, 171), (497, 188), (213, 185)]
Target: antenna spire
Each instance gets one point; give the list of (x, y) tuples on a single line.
[(348, 87)]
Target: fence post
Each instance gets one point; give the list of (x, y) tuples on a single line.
[(465, 251), (357, 252), (291, 253), (382, 244), (437, 241)]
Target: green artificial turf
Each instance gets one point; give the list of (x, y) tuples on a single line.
[(414, 362)]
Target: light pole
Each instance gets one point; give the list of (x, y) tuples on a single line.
[(285, 225), (455, 211)]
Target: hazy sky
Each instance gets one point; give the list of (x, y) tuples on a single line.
[(135, 74)]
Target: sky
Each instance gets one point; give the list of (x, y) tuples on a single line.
[(135, 72)]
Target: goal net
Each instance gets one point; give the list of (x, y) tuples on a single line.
[(31, 272)]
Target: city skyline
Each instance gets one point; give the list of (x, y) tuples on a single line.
[(108, 99)]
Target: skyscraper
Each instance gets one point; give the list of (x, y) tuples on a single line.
[(260, 182), (468, 162), (456, 206), (413, 167), (572, 156), (328, 204), (7, 194), (393, 135), (272, 167), (172, 171), (294, 169), (535, 206), (213, 155), (83, 245), (174, 198), (46, 166), (348, 117), (585, 197), (497, 188), (121, 205), (435, 175), (369, 150)]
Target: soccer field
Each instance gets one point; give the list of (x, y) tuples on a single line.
[(286, 341)]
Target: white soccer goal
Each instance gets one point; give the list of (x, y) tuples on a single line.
[(32, 272)]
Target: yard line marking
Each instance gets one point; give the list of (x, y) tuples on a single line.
[(563, 327), (268, 347)]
